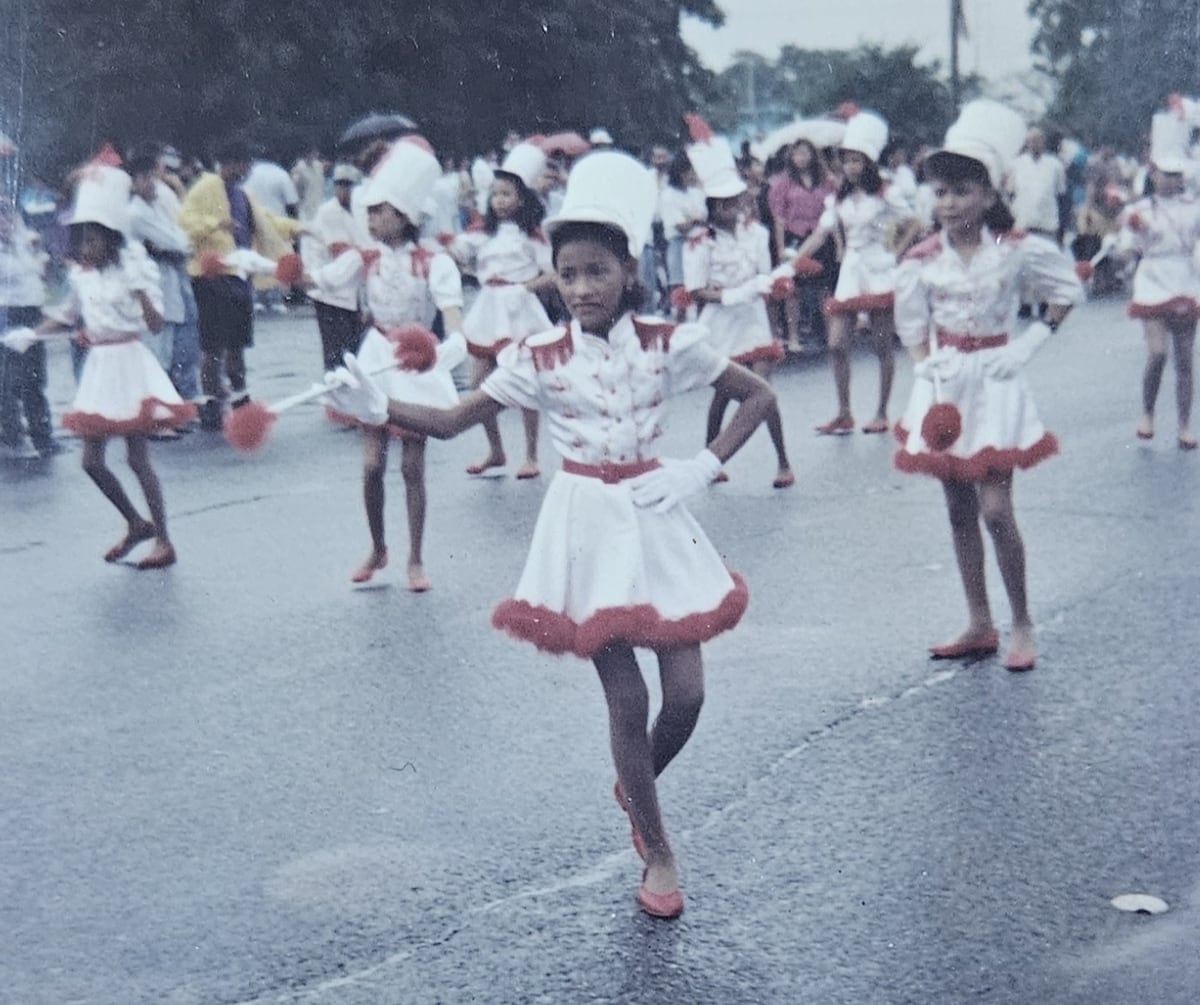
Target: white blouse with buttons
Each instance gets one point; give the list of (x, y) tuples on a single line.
[(605, 399), (106, 299), (412, 283), (509, 254)]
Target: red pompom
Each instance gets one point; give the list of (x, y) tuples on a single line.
[(246, 426), (444, 238), (107, 154), (681, 300), (1135, 222), (806, 266), (847, 110), (1084, 270), (211, 265), (701, 131), (415, 347), (289, 269), (941, 426), (339, 248), (369, 256), (782, 288)]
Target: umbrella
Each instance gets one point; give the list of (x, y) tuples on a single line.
[(568, 144), (375, 126), (820, 133)]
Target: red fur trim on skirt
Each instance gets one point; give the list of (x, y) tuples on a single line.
[(772, 352), (990, 460), (865, 302), (487, 351), (1183, 308), (92, 425), (394, 431), (639, 625)]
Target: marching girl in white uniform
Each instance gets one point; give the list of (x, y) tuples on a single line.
[(616, 560), (511, 260), (863, 213), (123, 391), (971, 420), (727, 271), (407, 283), (1163, 229)]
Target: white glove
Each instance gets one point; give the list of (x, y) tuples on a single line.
[(943, 363), (451, 352), (1009, 359), (247, 262), (356, 393), (19, 339), (786, 270), (667, 486), (743, 294)]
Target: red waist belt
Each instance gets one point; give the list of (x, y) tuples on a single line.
[(609, 472), (84, 339), (970, 343)]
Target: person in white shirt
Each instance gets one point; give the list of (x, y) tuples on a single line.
[(1037, 180), (308, 178), (336, 275)]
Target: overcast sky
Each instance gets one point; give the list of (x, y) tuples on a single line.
[(997, 47)]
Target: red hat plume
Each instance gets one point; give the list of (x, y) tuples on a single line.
[(246, 427), (700, 130), (107, 154), (415, 347)]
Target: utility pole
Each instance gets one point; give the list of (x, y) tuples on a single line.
[(955, 30)]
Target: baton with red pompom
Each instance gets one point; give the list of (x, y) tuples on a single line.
[(414, 349), (942, 424), (287, 270)]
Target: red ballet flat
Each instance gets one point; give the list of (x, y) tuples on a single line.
[(962, 648), (659, 905), (368, 569), (840, 426)]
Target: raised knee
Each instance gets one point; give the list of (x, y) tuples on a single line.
[(997, 519)]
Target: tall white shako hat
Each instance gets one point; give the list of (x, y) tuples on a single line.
[(712, 160), (867, 134), (612, 188), (1169, 136), (987, 132), (102, 193), (405, 177), (525, 161)]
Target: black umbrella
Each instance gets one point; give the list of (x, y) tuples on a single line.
[(375, 126)]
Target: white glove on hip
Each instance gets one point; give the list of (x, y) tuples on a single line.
[(356, 394), (667, 486), (452, 351), (1009, 359), (943, 363), (19, 339)]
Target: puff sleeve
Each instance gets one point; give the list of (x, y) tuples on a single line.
[(691, 361)]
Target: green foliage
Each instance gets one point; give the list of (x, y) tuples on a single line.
[(192, 71), (806, 82), (1115, 63)]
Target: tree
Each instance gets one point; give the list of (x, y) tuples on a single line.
[(1115, 63), (191, 71)]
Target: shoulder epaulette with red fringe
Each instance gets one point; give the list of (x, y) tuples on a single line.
[(421, 257), (1012, 235), (548, 349), (653, 333), (928, 248)]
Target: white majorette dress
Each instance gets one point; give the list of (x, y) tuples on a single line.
[(505, 310), (122, 389), (719, 258), (601, 569), (867, 276), (973, 308), (409, 284), (1165, 232)]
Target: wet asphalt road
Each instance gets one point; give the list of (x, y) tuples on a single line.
[(242, 781)]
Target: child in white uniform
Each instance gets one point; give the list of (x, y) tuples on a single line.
[(511, 260), (960, 290), (616, 561)]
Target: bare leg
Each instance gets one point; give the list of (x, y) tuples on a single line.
[(784, 476), (480, 368), (1156, 361), (628, 711), (791, 313), (375, 445), (138, 528), (996, 507), (1185, 341), (137, 452), (882, 332), (412, 468), (530, 468), (839, 358), (716, 415), (962, 505)]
